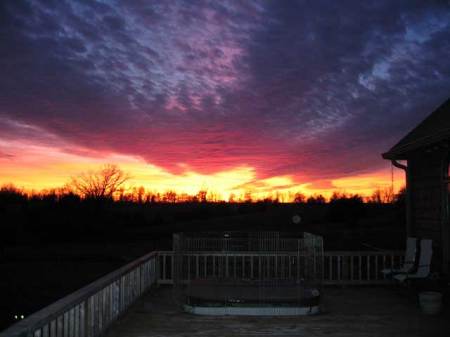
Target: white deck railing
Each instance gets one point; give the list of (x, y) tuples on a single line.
[(359, 267), (89, 311), (339, 267)]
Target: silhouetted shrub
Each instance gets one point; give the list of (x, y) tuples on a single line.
[(346, 208)]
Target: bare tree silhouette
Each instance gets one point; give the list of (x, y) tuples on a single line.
[(299, 198), (99, 184), (201, 195), (382, 196), (170, 196)]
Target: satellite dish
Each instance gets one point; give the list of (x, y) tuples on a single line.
[(296, 219)]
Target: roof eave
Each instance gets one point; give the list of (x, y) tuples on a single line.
[(394, 156)]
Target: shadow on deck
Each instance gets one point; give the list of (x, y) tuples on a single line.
[(363, 311)]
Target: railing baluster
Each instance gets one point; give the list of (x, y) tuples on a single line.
[(98, 313), (252, 267), (276, 266), (189, 267), (105, 307), (197, 271), (76, 330), (352, 275), (344, 271), (94, 315), (164, 267), (259, 267), (60, 326), (71, 318), (83, 319), (46, 330), (376, 268), (290, 266), (171, 259), (330, 267), (339, 268), (53, 328), (226, 266), (360, 267)]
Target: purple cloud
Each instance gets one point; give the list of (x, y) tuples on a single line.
[(315, 90)]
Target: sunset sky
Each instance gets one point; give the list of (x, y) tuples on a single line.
[(229, 96)]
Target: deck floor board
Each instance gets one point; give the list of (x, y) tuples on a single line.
[(352, 311)]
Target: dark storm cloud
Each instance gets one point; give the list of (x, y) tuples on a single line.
[(313, 89)]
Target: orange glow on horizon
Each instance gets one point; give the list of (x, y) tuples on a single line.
[(39, 167)]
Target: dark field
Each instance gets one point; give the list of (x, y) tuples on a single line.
[(39, 267)]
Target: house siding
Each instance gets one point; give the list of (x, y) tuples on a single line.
[(429, 201)]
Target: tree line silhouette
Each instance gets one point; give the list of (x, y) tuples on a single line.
[(96, 206), (107, 183)]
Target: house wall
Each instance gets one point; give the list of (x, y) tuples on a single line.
[(429, 202)]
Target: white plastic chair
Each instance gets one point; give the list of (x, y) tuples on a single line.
[(410, 259), (423, 269)]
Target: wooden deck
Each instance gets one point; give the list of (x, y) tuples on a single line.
[(359, 312)]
